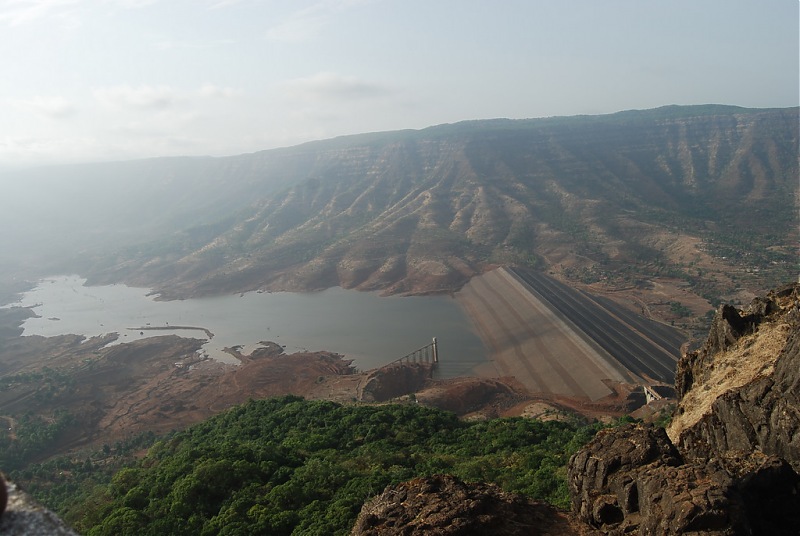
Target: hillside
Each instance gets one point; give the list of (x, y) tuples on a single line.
[(694, 202), (289, 466)]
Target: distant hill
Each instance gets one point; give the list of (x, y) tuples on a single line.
[(704, 195)]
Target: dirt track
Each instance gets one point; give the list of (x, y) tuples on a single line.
[(530, 342)]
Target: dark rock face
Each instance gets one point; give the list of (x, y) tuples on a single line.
[(728, 326), (770, 493), (764, 414), (443, 505), (634, 478), (733, 471), (25, 517), (3, 495), (394, 380)]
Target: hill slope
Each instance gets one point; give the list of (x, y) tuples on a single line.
[(288, 466), (703, 196), (696, 193)]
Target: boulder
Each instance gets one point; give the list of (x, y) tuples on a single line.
[(633, 480), (394, 380), (443, 505), (25, 517)]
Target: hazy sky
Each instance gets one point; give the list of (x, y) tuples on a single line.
[(87, 80)]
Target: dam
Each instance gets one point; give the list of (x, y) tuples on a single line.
[(558, 340)]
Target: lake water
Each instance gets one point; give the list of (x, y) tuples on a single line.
[(364, 327)]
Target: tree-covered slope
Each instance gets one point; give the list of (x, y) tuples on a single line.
[(289, 466)]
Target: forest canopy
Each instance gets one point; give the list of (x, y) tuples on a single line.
[(291, 466)]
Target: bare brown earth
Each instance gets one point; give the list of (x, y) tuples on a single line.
[(156, 384), (159, 384), (540, 366)]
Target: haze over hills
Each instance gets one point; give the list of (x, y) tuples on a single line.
[(77, 207), (705, 196)]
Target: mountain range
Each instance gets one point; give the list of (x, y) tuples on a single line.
[(705, 196)]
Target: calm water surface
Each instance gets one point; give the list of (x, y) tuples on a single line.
[(369, 329)]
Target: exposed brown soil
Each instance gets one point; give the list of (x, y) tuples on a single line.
[(160, 384), (156, 384)]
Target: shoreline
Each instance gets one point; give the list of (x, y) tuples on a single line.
[(208, 332)]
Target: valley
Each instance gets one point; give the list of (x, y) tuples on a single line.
[(678, 208), (589, 254)]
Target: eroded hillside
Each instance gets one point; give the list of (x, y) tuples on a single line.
[(697, 196)]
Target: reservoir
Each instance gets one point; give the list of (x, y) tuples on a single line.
[(362, 326)]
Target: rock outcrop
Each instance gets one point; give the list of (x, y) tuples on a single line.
[(634, 480), (761, 363), (730, 463), (25, 517), (728, 326), (394, 380), (443, 505)]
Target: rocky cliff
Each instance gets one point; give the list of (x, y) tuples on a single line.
[(729, 464), (741, 391), (634, 480)]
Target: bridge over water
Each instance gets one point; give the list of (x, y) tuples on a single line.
[(427, 354)]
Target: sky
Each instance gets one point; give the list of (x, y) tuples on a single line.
[(99, 80)]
